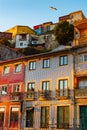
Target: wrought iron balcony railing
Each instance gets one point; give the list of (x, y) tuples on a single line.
[(62, 94), (45, 95), (30, 95), (81, 92), (16, 96), (63, 125)]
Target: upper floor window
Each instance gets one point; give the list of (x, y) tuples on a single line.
[(31, 86), (6, 69), (32, 65), (46, 63), (45, 85), (4, 90), (63, 60), (16, 88), (83, 57), (18, 68)]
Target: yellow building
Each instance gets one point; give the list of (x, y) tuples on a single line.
[(19, 29)]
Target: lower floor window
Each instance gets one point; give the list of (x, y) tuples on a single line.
[(14, 113), (29, 117), (62, 117), (1, 119), (44, 117)]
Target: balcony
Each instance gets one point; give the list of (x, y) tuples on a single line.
[(63, 125), (16, 96), (62, 94), (45, 95), (82, 40), (31, 95), (81, 93)]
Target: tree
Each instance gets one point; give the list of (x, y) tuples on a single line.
[(64, 32), (5, 42)]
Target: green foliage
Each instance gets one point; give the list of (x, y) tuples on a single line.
[(5, 42), (64, 33), (29, 51)]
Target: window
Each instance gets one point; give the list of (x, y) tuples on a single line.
[(62, 117), (83, 83), (63, 87), (31, 86), (14, 115), (18, 68), (63, 60), (21, 44), (44, 117), (83, 57), (32, 65), (2, 114), (6, 69), (29, 117), (45, 85), (4, 90), (16, 88), (46, 63)]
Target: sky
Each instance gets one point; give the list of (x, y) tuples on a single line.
[(34, 12)]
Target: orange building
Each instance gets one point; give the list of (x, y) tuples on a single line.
[(11, 94)]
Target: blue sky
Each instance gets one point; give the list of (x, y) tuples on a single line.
[(34, 12)]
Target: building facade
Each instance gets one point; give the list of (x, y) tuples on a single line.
[(11, 94)]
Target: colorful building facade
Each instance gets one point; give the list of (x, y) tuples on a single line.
[(11, 94)]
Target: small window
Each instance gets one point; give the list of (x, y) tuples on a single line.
[(63, 60), (32, 65), (31, 86), (4, 90), (6, 69), (21, 44), (83, 57), (16, 88), (46, 63), (18, 68)]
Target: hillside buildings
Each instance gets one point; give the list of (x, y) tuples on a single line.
[(48, 90)]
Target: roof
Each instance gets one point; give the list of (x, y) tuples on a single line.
[(36, 56)]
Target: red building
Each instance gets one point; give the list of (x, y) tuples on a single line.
[(11, 93)]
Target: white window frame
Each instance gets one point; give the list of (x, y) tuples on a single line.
[(32, 65), (45, 85), (63, 87), (46, 63), (6, 69), (31, 86), (16, 88), (18, 68), (82, 58), (63, 60), (4, 90)]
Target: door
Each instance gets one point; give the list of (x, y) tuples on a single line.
[(83, 117)]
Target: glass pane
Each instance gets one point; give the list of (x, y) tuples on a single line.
[(66, 120), (44, 117), (44, 63), (48, 63), (85, 57), (65, 84), (65, 60), (34, 65), (61, 60), (29, 117)]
